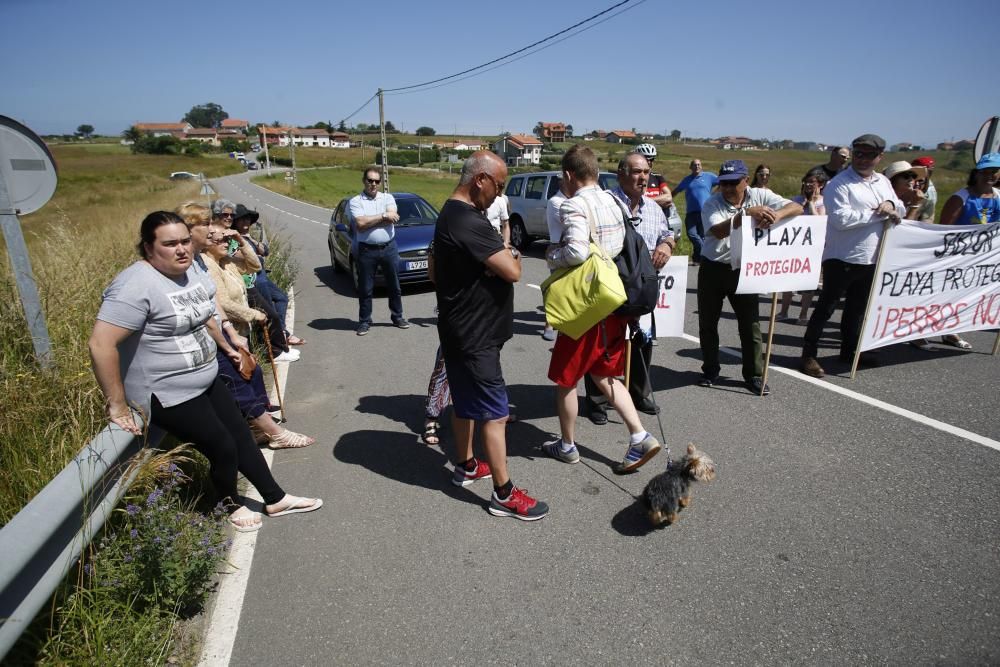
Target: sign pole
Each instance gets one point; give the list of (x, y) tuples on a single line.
[(996, 345), (887, 225), (26, 287), (770, 339)]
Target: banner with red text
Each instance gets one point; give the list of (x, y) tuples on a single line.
[(934, 280), (669, 311), (784, 258)]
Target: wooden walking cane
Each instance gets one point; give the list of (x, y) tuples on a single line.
[(886, 226), (770, 339), (274, 370), (628, 360)]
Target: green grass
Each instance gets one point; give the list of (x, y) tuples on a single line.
[(326, 187)]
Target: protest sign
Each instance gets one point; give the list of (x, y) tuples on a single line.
[(669, 311), (786, 257), (934, 280)]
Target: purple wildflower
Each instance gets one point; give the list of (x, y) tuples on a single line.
[(88, 569), (132, 509), (128, 558), (133, 533)]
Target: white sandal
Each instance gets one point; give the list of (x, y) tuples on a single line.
[(288, 440)]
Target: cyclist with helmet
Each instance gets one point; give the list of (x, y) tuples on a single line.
[(665, 200)]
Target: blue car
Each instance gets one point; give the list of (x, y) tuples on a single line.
[(414, 233)]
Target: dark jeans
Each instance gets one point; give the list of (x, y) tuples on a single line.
[(277, 296), (639, 384), (370, 257), (213, 424), (717, 281), (840, 279), (275, 328), (692, 222)]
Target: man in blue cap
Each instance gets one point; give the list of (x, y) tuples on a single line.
[(717, 280)]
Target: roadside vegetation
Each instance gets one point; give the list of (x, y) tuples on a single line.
[(153, 564)]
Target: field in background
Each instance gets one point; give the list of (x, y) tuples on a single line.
[(327, 186)]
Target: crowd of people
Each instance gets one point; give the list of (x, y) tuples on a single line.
[(171, 341), (171, 335)]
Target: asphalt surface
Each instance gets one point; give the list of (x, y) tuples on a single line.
[(836, 532)]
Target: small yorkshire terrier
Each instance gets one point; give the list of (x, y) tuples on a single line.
[(668, 493)]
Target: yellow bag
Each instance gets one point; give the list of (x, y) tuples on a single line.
[(578, 297)]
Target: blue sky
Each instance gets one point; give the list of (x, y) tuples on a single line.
[(915, 71)]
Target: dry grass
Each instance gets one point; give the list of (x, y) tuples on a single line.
[(78, 242)]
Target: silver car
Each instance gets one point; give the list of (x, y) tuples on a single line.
[(529, 194)]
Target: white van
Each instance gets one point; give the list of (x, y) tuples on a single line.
[(529, 194)]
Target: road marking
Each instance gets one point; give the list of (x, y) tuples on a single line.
[(874, 402)]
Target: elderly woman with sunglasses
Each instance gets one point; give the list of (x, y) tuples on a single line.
[(224, 210), (903, 176), (250, 394), (154, 346)]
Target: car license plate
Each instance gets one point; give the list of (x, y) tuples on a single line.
[(413, 266)]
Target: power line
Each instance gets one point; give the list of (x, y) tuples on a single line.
[(358, 110), (512, 53), (522, 56)]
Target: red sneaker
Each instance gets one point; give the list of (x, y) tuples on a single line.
[(518, 505), (463, 477)]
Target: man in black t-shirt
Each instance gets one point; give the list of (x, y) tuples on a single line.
[(474, 276)]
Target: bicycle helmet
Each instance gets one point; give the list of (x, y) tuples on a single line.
[(649, 150)]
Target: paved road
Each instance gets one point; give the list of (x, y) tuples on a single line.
[(837, 532)]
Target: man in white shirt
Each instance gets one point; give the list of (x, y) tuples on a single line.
[(373, 214), (717, 280), (859, 203)]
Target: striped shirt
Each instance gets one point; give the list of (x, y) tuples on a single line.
[(589, 205), (652, 225)]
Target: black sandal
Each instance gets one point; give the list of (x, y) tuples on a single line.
[(430, 436)]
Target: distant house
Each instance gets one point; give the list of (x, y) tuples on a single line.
[(310, 137), (901, 147), (737, 144), (619, 136), (946, 146), (205, 135), (599, 134), (964, 145), (553, 132), (340, 140), (518, 149), (458, 145), (242, 126), (165, 129)]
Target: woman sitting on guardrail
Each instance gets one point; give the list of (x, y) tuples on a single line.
[(154, 346)]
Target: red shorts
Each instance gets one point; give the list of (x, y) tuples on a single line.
[(600, 351)]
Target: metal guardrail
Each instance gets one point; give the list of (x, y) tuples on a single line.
[(45, 539)]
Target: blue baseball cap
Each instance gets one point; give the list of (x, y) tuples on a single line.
[(989, 161), (733, 170)]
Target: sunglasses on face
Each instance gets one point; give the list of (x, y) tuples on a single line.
[(373, 181), (866, 155), (226, 215)]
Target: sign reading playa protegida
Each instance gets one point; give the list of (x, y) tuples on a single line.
[(786, 257), (934, 280)]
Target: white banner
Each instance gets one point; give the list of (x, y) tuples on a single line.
[(669, 312), (934, 280), (786, 257)]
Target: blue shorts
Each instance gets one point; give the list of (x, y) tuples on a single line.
[(478, 391)]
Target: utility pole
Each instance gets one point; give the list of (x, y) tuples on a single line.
[(381, 129), (291, 147), (267, 156)]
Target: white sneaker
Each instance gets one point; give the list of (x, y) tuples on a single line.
[(289, 356)]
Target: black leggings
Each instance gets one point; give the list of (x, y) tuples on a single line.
[(213, 424)]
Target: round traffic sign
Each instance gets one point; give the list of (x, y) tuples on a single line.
[(26, 166), (988, 139)]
